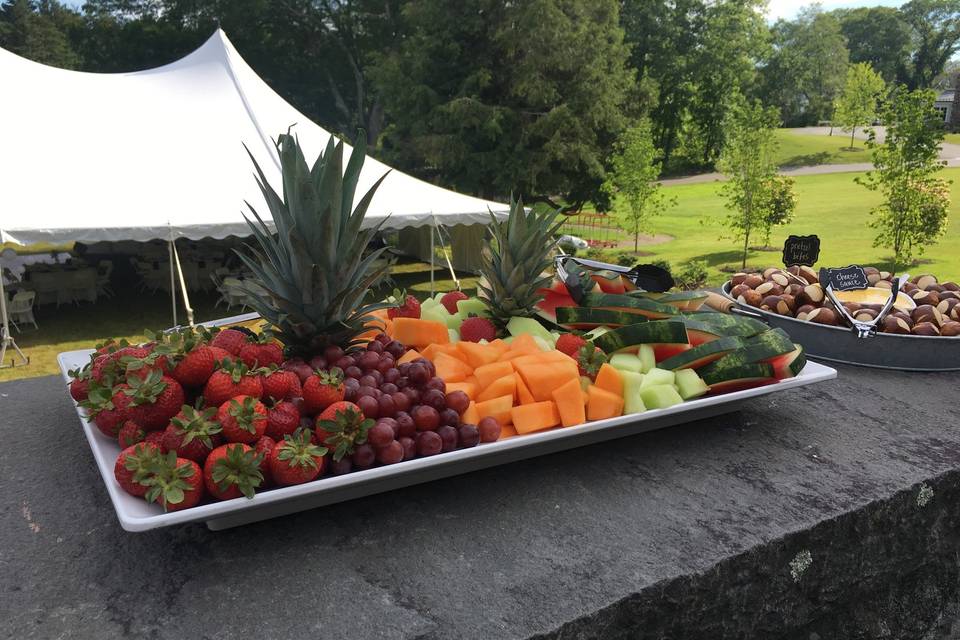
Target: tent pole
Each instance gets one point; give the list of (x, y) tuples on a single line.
[(6, 340), (173, 286), (183, 284), (443, 247), (432, 292)]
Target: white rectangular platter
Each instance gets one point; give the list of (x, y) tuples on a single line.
[(135, 514)]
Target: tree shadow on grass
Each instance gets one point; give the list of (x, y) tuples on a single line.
[(807, 160), (718, 258)]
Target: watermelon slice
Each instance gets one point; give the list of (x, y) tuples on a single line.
[(629, 304), (585, 318), (790, 364), (666, 350), (627, 339), (729, 325), (547, 308), (608, 281), (733, 373), (696, 357), (700, 332), (683, 300), (768, 345)]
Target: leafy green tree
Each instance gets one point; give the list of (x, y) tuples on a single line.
[(878, 36), (858, 104), (776, 204), (490, 97), (935, 30), (748, 162), (913, 214), (633, 176), (38, 31)]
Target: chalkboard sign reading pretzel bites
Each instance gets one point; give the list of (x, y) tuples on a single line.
[(801, 250), (844, 278)]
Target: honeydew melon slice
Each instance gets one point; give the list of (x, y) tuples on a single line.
[(660, 396), (689, 384), (656, 377), (626, 362)]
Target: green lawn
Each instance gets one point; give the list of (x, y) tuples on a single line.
[(797, 149), (952, 138)]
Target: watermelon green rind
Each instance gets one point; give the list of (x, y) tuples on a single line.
[(768, 345), (700, 332), (582, 318), (734, 368), (627, 338), (684, 300), (703, 354), (730, 325), (629, 304), (789, 365)]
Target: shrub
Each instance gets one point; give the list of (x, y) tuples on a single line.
[(595, 253), (692, 276), (626, 259)]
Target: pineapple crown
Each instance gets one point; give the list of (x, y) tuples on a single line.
[(196, 425), (240, 467), (310, 277)]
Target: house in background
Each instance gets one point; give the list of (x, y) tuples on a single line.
[(944, 103)]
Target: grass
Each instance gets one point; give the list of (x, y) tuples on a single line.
[(797, 149), (952, 138)]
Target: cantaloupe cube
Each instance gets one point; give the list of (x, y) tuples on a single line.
[(610, 379), (472, 379), (569, 399), (489, 373), (451, 369), (523, 393), (535, 417), (409, 356), (415, 332), (525, 342), (603, 404), (507, 431), (542, 379), (431, 350), (499, 387), (468, 388), (498, 408), (470, 416), (509, 356), (478, 355)]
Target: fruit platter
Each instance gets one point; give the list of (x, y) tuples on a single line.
[(920, 331), (328, 393)]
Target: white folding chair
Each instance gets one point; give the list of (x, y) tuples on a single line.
[(20, 310)]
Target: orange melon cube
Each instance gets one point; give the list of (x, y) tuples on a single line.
[(497, 408), (509, 356), (478, 355), (542, 379), (489, 373), (523, 393), (431, 351), (409, 356), (603, 404), (507, 431), (472, 379), (528, 418), (506, 385), (468, 388), (451, 369), (470, 416), (571, 404), (609, 379), (525, 342), (415, 332)]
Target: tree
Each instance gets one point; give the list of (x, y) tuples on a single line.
[(935, 30), (633, 175), (37, 31), (857, 105), (491, 97), (775, 204), (878, 36), (748, 162), (916, 201)]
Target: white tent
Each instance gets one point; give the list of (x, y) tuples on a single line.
[(158, 154)]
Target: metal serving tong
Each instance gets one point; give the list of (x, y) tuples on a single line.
[(867, 329), (646, 277)]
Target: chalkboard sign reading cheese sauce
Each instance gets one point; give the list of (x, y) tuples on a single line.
[(845, 278), (801, 250)]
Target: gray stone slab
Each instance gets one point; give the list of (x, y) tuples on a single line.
[(543, 546)]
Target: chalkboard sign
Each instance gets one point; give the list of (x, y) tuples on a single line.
[(799, 250), (845, 278)]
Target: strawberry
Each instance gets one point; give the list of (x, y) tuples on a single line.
[(155, 438), (107, 407), (242, 419), (409, 308), (341, 427), (263, 448), (192, 434), (570, 344), (232, 380), (133, 465), (221, 356), (296, 460), (130, 434), (80, 383), (156, 399), (281, 385), (230, 339), (282, 420), (175, 483), (263, 351), (450, 301), (589, 360), (475, 329), (322, 390), (195, 367), (232, 470)]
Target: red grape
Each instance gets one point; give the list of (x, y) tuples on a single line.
[(404, 369), (375, 346), (393, 425), (411, 393), (301, 368), (369, 406), (429, 443), (368, 380), (436, 383), (332, 354), (458, 401), (368, 360), (391, 375), (405, 424), (376, 375), (431, 369), (340, 467), (363, 456), (425, 417), (396, 349), (387, 407), (383, 339), (489, 429), (353, 371), (400, 401), (318, 362), (435, 398), (419, 374), (449, 437), (346, 361), (389, 387), (364, 390), (450, 417), (409, 447), (391, 453), (402, 382), (380, 434), (469, 435)]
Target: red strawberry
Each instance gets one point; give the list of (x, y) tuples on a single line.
[(133, 465), (475, 329), (130, 434), (230, 381), (192, 434), (263, 352), (570, 344), (196, 366), (296, 460), (341, 427), (175, 483), (155, 438), (263, 448), (322, 390), (156, 399), (80, 383), (450, 301), (220, 355), (282, 420), (243, 419), (107, 407), (409, 308), (589, 360), (281, 385), (232, 470), (230, 339)]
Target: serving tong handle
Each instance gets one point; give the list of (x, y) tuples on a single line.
[(867, 329), (646, 277)]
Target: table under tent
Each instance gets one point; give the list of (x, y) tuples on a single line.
[(158, 156)]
